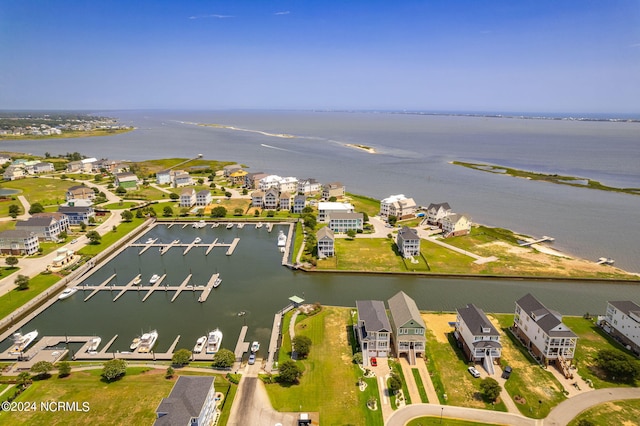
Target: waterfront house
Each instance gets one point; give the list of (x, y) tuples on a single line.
[(271, 181), (309, 186), (288, 184), (126, 180), (163, 177), (77, 214), (299, 203), (325, 241), (285, 200), (373, 330), (252, 180), (41, 167), (46, 226), (13, 173), (436, 212), (399, 206), (187, 197), (271, 197), (181, 178), (325, 209), (203, 198), (18, 242), (4, 160), (334, 189), (74, 166), (455, 224), (342, 222), (622, 321), (408, 242), (237, 177), (478, 338), (543, 332), (80, 192), (87, 164), (191, 403), (407, 327), (227, 170), (257, 199)]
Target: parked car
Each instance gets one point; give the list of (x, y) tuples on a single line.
[(374, 362), (506, 372), (252, 359), (475, 373), (74, 241)]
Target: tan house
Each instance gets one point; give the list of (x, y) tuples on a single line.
[(334, 189), (80, 192), (237, 177), (455, 224), (325, 241)]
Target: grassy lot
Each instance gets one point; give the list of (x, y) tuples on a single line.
[(528, 380), (461, 388), (111, 237), (420, 264), (230, 205), (444, 261), (397, 368), (368, 205), (145, 193), (329, 383), (432, 421), (420, 385), (591, 340), (371, 254), (285, 347), (153, 166), (4, 207), (130, 400), (299, 239), (16, 298), (119, 206), (611, 413), (40, 190), (6, 225)]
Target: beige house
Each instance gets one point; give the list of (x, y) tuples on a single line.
[(334, 189), (455, 224), (325, 241)]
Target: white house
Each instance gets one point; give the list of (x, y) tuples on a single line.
[(288, 184), (163, 177), (271, 181), (299, 203), (203, 198), (478, 338), (271, 197), (407, 327), (325, 241), (13, 173), (399, 206), (309, 186), (622, 321), (436, 212), (80, 192), (373, 330), (455, 224), (325, 209), (47, 226), (343, 222), (257, 198), (192, 402), (542, 331), (182, 179), (16, 241), (187, 197), (408, 242)]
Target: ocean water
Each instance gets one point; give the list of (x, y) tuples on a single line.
[(414, 155)]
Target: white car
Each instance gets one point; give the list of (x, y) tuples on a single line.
[(475, 373), (74, 241)]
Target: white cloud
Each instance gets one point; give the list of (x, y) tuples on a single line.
[(215, 15), (284, 12)]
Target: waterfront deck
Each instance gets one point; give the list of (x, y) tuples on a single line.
[(241, 345)]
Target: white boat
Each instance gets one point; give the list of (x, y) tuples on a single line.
[(21, 342), (255, 347), (213, 341), (68, 292), (229, 225), (259, 225), (136, 281), (197, 240), (134, 344), (149, 241), (282, 239), (154, 279), (217, 282), (147, 341), (199, 225), (93, 344), (199, 344)]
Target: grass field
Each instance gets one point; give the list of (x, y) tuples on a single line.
[(611, 413), (40, 190), (16, 298), (367, 205), (397, 368), (432, 421), (111, 237), (591, 340), (371, 254), (120, 206), (420, 385), (148, 167), (4, 207), (145, 193), (329, 383), (528, 379)]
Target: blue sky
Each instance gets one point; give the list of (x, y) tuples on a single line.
[(523, 56)]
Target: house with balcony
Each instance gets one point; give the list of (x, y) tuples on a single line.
[(192, 402), (46, 226), (399, 206), (543, 333), (408, 242), (268, 182), (299, 203), (252, 180), (326, 209), (478, 338), (455, 224), (182, 178), (309, 186), (325, 241), (227, 170), (18, 242), (288, 184), (622, 322), (203, 198), (163, 177), (271, 198), (334, 189), (42, 167), (237, 177), (343, 222), (285, 200), (257, 199), (436, 212), (77, 214), (407, 327), (80, 192), (13, 173), (187, 197), (373, 330)]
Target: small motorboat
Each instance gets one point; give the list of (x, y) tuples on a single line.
[(255, 347), (93, 344), (67, 293), (199, 344)]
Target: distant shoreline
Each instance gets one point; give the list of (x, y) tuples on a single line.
[(68, 135)]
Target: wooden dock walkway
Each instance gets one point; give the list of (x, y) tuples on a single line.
[(207, 291), (99, 287), (232, 246), (273, 342), (241, 345), (154, 287), (148, 246), (541, 240), (129, 286), (187, 246), (182, 286)]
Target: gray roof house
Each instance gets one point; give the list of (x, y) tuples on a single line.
[(373, 329), (408, 242), (190, 403), (477, 336), (407, 327), (325, 240), (622, 321)]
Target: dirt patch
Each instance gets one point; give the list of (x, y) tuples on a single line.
[(439, 325)]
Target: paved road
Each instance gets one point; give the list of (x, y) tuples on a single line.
[(402, 416), (570, 408)]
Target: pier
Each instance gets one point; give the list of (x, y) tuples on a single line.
[(605, 261), (241, 345), (208, 287), (232, 246), (99, 287), (187, 246), (154, 287), (182, 287), (541, 240)]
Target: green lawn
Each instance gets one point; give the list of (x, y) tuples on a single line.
[(611, 413), (111, 237), (40, 190), (367, 205), (397, 368), (591, 340), (528, 380), (145, 193), (432, 421), (329, 383), (16, 298), (120, 206), (4, 208), (130, 400), (371, 254), (444, 261), (420, 385)]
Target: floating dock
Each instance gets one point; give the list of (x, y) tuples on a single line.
[(187, 247), (541, 240), (232, 246), (241, 345)]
